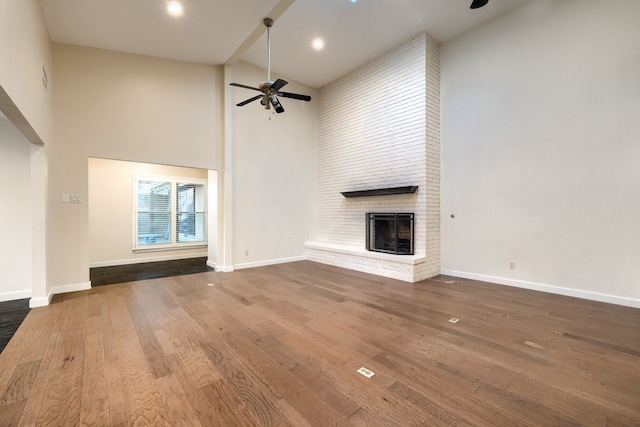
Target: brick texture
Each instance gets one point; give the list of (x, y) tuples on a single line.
[(379, 126)]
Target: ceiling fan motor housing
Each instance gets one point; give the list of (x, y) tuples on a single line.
[(264, 86)]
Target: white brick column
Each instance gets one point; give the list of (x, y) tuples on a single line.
[(379, 127)]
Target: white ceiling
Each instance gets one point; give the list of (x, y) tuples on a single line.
[(211, 31)]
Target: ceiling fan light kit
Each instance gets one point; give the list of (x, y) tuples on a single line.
[(270, 89)]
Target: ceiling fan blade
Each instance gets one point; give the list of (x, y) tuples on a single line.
[(294, 96), (245, 86), (245, 102), (278, 84), (276, 104), (475, 4)]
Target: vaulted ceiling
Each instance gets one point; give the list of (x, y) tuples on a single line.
[(223, 31)]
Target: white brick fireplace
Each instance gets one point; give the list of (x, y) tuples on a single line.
[(379, 127)]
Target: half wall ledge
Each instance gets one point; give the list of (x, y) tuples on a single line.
[(381, 191), (401, 267)]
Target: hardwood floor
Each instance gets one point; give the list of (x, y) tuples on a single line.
[(280, 346), (12, 313), (100, 276)]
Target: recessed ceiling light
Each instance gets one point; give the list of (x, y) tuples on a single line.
[(317, 44), (174, 8)]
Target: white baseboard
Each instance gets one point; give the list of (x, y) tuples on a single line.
[(593, 296), (44, 301), (70, 288), (11, 296), (142, 260), (268, 262), (40, 302), (220, 268)]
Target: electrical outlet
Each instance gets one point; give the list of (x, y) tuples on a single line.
[(512, 265), (246, 253)]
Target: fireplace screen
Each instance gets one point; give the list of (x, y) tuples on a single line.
[(390, 232)]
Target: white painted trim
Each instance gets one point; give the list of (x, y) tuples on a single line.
[(219, 268), (174, 180), (11, 296), (268, 262), (577, 293), (63, 289), (70, 288), (40, 302), (143, 260)]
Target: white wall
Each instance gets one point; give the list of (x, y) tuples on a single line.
[(125, 107), (540, 149), (25, 49), (111, 211), (134, 108), (274, 170), (15, 214)]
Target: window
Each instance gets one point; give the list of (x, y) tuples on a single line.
[(169, 212)]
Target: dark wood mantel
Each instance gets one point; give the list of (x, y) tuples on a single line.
[(381, 191)]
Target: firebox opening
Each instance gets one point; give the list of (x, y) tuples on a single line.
[(390, 233)]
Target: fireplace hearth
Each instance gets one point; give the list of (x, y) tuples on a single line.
[(390, 233)]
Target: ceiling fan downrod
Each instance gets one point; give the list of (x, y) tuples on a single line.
[(268, 22)]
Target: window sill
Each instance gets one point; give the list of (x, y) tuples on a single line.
[(169, 248)]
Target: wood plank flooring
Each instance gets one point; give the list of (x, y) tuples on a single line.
[(12, 313), (280, 346), (147, 270)]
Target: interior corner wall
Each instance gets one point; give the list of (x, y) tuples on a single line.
[(126, 107), (540, 149), (274, 169), (15, 214), (111, 212)]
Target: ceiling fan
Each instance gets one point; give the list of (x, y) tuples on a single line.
[(270, 89)]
